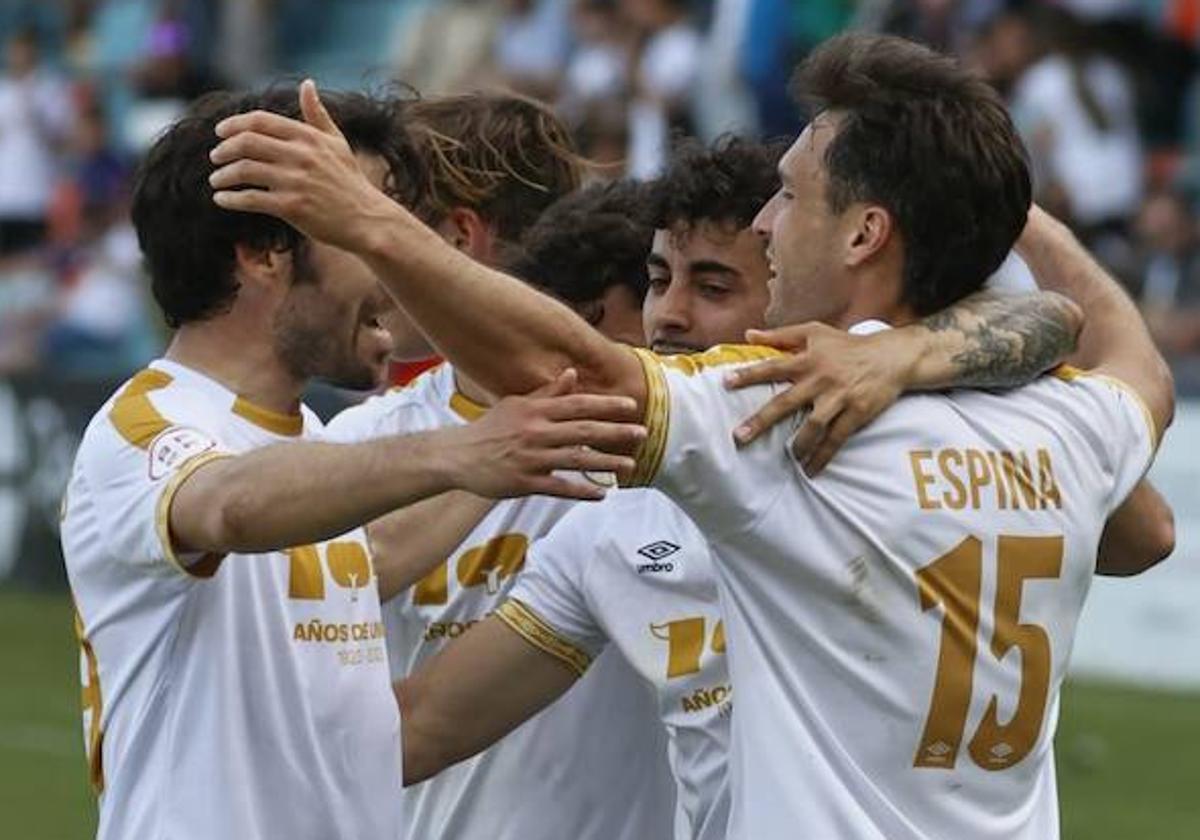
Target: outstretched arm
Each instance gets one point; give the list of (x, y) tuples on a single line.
[(297, 493), (306, 174), (440, 709), (409, 543), (1114, 340)]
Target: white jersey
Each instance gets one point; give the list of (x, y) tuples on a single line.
[(899, 626), (246, 696), (591, 766), (635, 572)]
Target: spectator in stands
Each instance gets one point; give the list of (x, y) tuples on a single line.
[(531, 47), (598, 68), (666, 69), (1076, 110), (444, 47), (35, 118), (1170, 296)]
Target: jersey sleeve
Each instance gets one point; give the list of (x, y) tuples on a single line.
[(133, 461), (1125, 426), (689, 451), (549, 605)]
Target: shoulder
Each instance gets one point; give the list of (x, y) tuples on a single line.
[(412, 408), (152, 415)]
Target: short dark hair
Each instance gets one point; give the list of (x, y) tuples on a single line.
[(188, 241), (586, 243), (725, 183), (505, 156), (932, 143)]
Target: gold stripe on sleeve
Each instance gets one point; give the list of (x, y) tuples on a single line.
[(722, 355), (657, 420), (529, 626), (465, 407), (1067, 373), (133, 415), (162, 514)]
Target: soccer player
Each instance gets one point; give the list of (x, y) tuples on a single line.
[(495, 164), (589, 250), (232, 650), (634, 571), (855, 602)]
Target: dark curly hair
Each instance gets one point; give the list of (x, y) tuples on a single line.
[(932, 143), (726, 183), (188, 241), (586, 243)]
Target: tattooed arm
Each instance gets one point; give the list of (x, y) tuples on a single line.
[(845, 381), (993, 340)]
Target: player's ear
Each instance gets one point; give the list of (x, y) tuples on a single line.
[(869, 232), (261, 268), (468, 232)]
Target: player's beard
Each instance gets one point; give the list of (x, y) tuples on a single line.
[(316, 338)]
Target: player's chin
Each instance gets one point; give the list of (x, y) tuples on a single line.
[(361, 375)]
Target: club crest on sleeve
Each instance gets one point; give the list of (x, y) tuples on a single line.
[(175, 446)]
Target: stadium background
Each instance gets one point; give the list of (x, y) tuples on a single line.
[(1104, 90)]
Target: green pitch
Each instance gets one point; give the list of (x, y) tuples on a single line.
[(1128, 759)]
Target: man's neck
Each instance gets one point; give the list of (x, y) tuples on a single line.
[(472, 391), (246, 365)]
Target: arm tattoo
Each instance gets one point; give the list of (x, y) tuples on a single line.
[(1005, 341)]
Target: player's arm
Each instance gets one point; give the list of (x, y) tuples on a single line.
[(306, 174), (845, 381), (476, 690), (296, 493), (1114, 340), (1139, 534), (409, 543)]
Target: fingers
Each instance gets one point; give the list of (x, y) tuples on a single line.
[(782, 406), (563, 384), (266, 123), (248, 144), (814, 429), (246, 173), (250, 201), (835, 438), (591, 407), (794, 337), (620, 437), (565, 488), (783, 369), (314, 111)]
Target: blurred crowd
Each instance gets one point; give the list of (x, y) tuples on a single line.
[(1104, 91)]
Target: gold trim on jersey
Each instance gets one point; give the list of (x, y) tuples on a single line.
[(288, 425), (92, 701), (719, 356), (205, 567), (465, 407), (1068, 373), (134, 415), (529, 626), (657, 419)]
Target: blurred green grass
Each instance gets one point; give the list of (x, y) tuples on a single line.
[(1129, 759)]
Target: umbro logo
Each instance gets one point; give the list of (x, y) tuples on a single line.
[(656, 552)]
